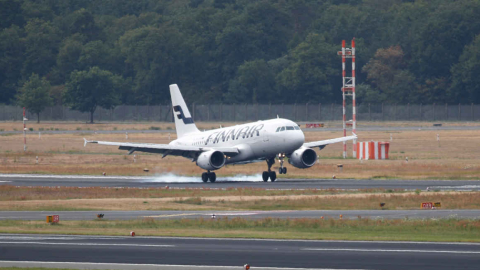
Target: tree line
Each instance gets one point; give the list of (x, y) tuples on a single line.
[(104, 53)]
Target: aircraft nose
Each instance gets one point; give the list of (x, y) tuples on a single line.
[(300, 138)]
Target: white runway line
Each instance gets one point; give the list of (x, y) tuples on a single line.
[(392, 250), (450, 187), (60, 237), (157, 178), (174, 178), (233, 214), (85, 244), (125, 266), (41, 237)]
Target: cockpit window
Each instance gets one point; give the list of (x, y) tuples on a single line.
[(278, 129), (290, 128), (297, 127), (282, 129)]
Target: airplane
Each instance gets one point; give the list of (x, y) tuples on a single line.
[(240, 144)]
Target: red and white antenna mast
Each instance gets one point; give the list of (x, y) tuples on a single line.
[(348, 89)]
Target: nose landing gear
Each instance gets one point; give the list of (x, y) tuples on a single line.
[(209, 176), (269, 174), (282, 170)]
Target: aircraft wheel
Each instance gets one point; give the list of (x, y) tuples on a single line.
[(273, 176), (280, 170), (265, 176), (205, 177), (212, 177), (284, 170)]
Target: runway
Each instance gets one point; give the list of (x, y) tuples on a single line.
[(346, 214), (103, 252), (252, 181)]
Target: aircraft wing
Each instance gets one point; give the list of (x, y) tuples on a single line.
[(324, 143), (166, 149)]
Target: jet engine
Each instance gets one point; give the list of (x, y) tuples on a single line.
[(303, 158), (211, 160)]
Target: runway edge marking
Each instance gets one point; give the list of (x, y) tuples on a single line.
[(392, 250), (85, 244), (88, 264)]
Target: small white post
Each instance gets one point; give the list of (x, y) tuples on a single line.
[(134, 158), (126, 135), (24, 132)]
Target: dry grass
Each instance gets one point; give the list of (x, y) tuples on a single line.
[(351, 202), (454, 157), (70, 199), (26, 193), (329, 229)]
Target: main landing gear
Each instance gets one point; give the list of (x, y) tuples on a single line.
[(209, 176), (281, 170), (269, 174)]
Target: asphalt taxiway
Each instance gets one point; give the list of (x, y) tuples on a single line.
[(103, 252), (242, 181), (346, 214)]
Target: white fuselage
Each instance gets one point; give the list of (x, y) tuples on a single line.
[(256, 140)]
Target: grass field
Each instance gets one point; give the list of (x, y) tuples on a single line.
[(22, 193), (319, 229), (454, 157), (99, 198)]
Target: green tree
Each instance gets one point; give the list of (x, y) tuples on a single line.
[(450, 27), (82, 22), (254, 83), (159, 57), (312, 74), (387, 73), (68, 55), (261, 32), (35, 95), (86, 90), (11, 13), (466, 82), (41, 42), (11, 60)]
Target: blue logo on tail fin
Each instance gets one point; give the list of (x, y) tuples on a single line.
[(180, 115)]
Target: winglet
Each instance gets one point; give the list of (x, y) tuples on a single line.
[(85, 143)]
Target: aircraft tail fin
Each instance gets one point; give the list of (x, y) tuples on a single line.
[(183, 120)]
